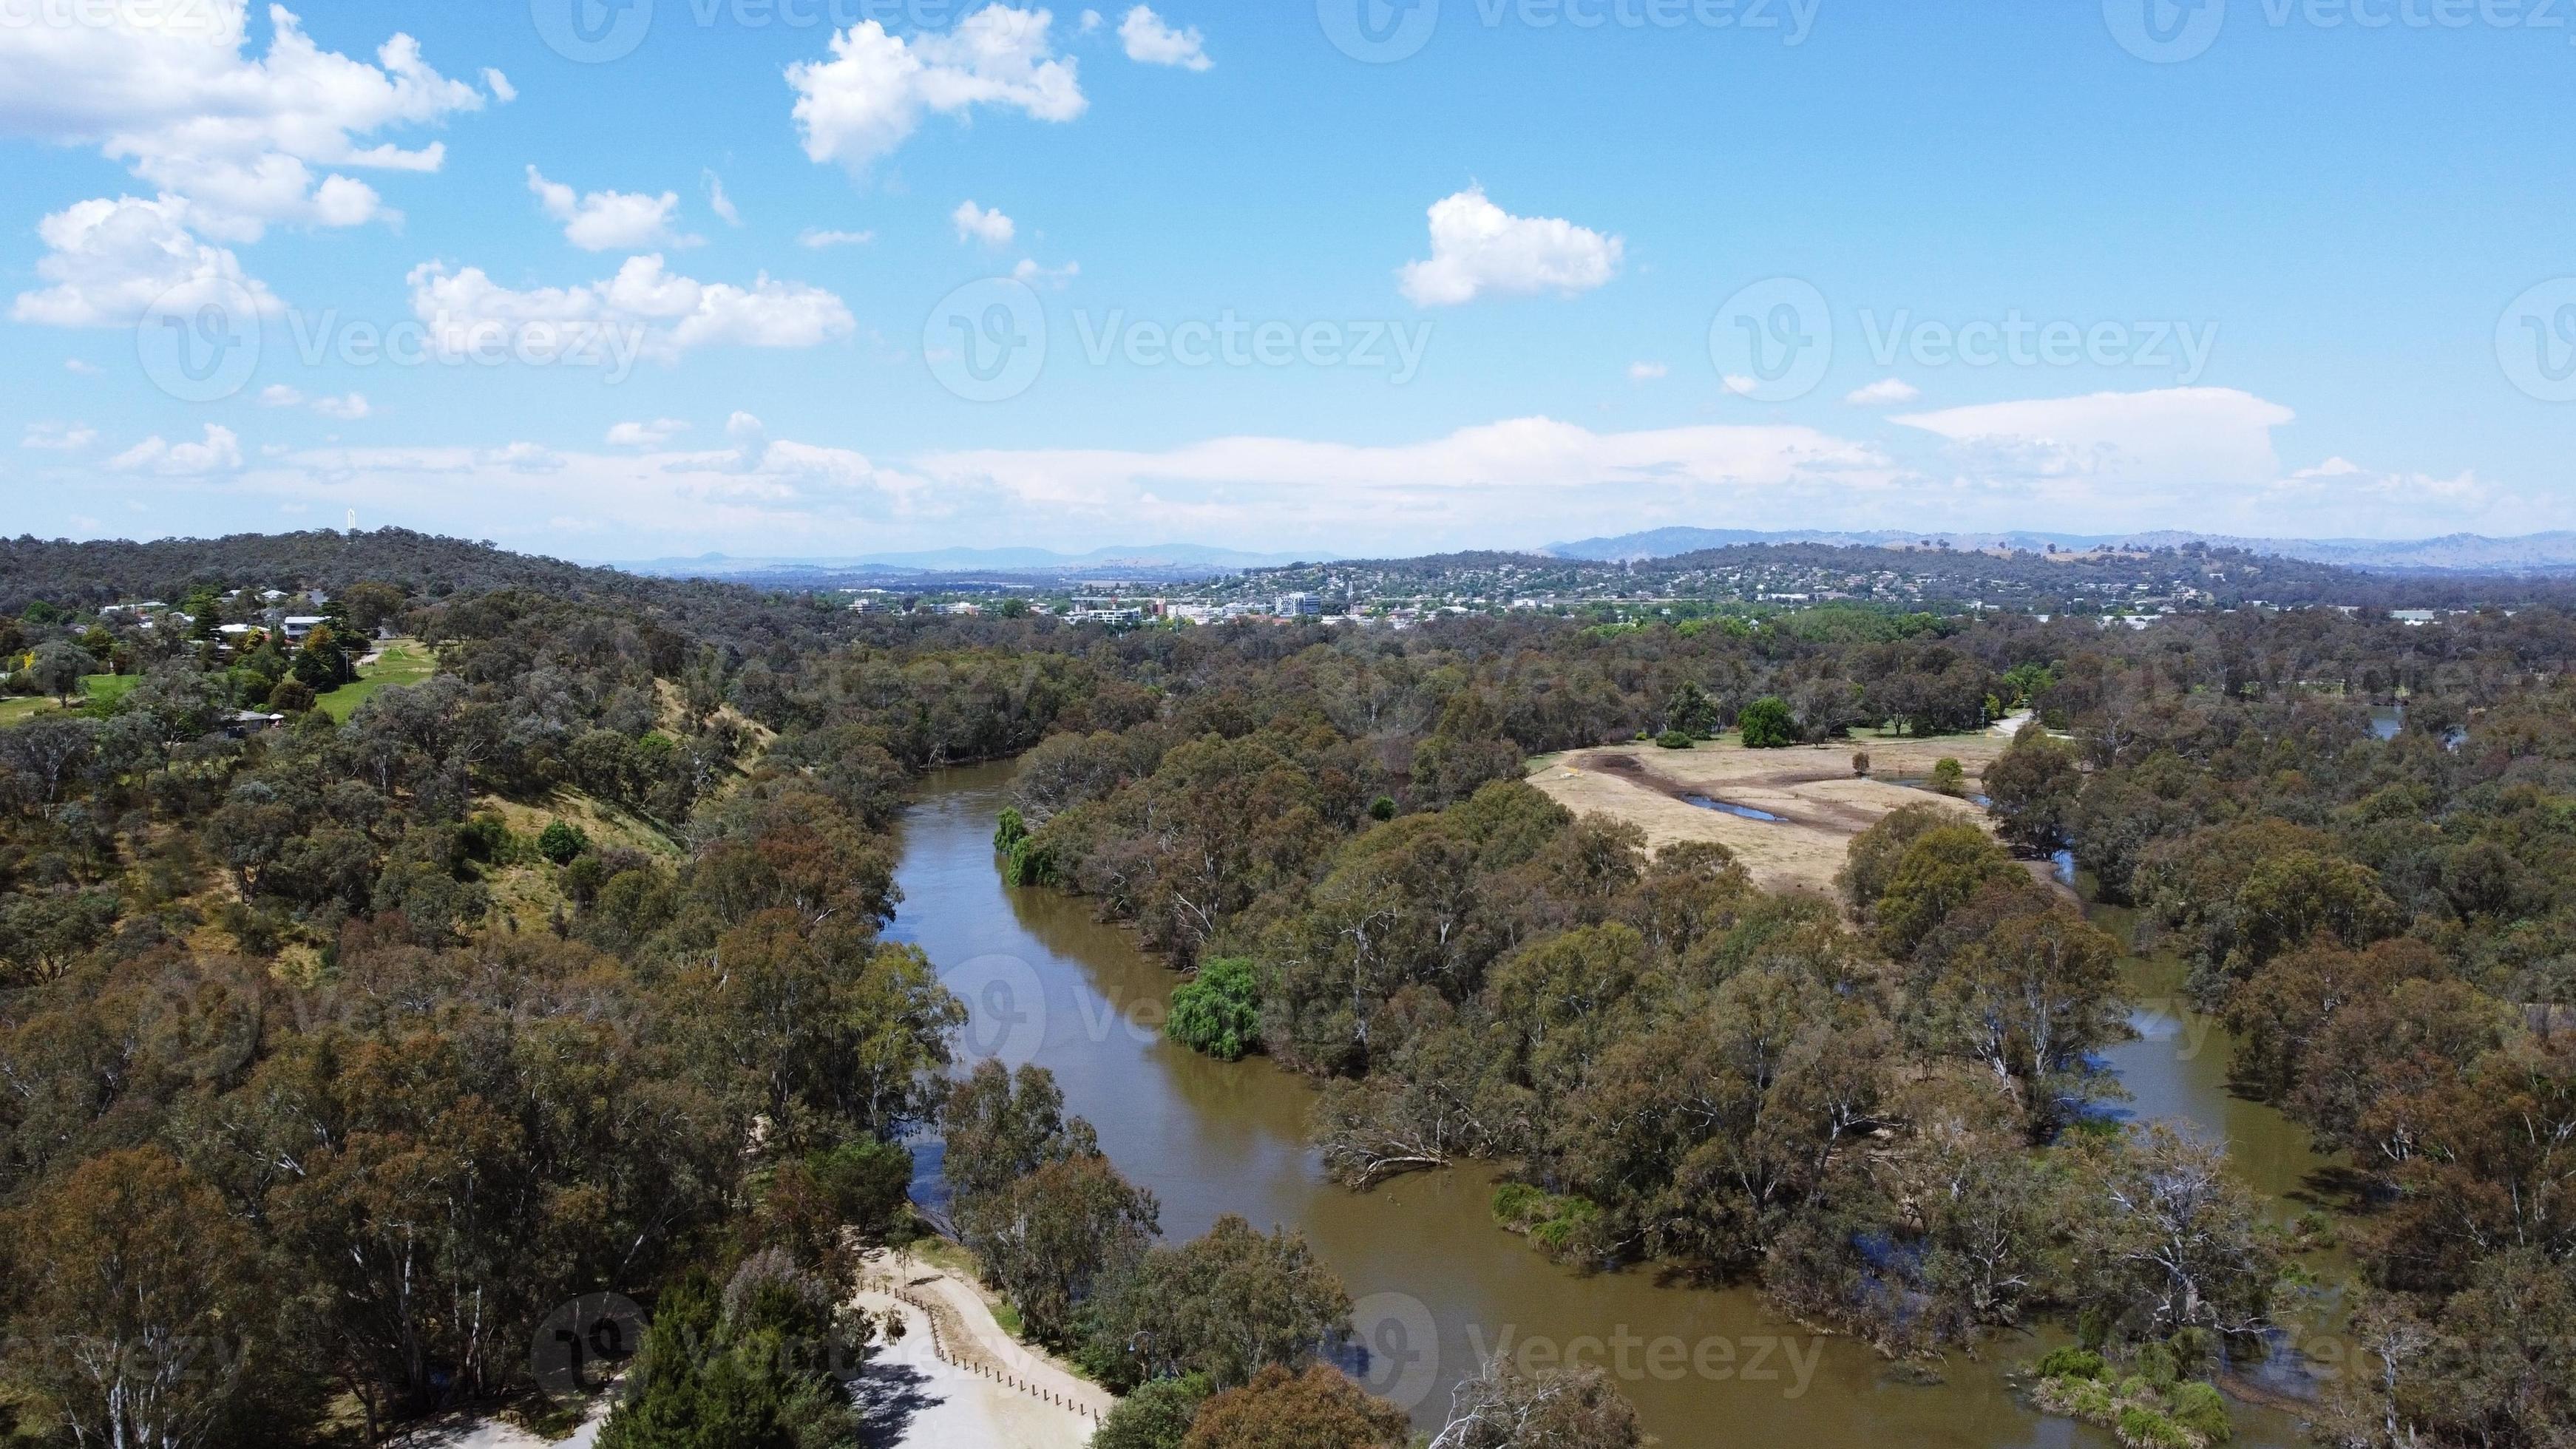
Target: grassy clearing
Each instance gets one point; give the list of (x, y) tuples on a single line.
[(405, 662), (101, 691)]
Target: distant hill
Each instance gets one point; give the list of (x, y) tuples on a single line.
[(2536, 553), (1171, 559)]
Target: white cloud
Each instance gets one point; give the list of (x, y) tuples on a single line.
[(1030, 273), (818, 239), (1151, 41), (348, 409), (1477, 247), (1091, 21), (1647, 371), (499, 85), (220, 452), (975, 224), (1886, 392), (243, 141), (109, 261), (2179, 435), (659, 313), (58, 437), (646, 435), (870, 96), (605, 221), (80, 368), (719, 203)]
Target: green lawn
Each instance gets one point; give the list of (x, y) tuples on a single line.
[(404, 662), (100, 689)]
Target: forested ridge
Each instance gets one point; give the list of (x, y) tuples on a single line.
[(338, 1055)]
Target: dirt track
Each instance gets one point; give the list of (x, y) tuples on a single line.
[(1811, 788)]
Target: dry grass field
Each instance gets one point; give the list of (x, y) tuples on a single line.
[(1818, 804)]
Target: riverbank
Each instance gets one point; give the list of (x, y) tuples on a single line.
[(956, 1377)]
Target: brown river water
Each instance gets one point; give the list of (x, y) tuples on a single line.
[(1436, 1283)]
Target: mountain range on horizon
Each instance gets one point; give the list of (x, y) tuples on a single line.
[(2459, 553), (2535, 553)]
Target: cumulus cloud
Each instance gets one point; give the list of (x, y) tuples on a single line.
[(242, 141), (819, 239), (866, 100), (656, 311), (219, 452), (1646, 371), (1886, 392), (1152, 42), (1477, 247), (109, 261), (58, 437), (605, 221), (975, 224), (646, 435)]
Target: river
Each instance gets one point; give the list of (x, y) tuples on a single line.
[(1437, 1284)]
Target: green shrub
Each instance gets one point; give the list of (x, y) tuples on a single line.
[(1011, 831), (1028, 863), (1948, 777), (1675, 740), (1382, 808), (2158, 1365), (2072, 1362), (1767, 724), (1218, 1011), (2147, 1429), (1156, 1416), (562, 843), (2197, 1407), (1516, 1203)]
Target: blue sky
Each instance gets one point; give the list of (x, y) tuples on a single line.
[(2250, 266)]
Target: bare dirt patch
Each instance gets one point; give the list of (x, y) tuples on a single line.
[(1819, 804)]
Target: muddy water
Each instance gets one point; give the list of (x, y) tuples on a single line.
[(1437, 1284)]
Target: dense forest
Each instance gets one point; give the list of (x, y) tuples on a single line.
[(340, 1052)]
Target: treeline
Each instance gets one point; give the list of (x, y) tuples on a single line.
[(1886, 1114)]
